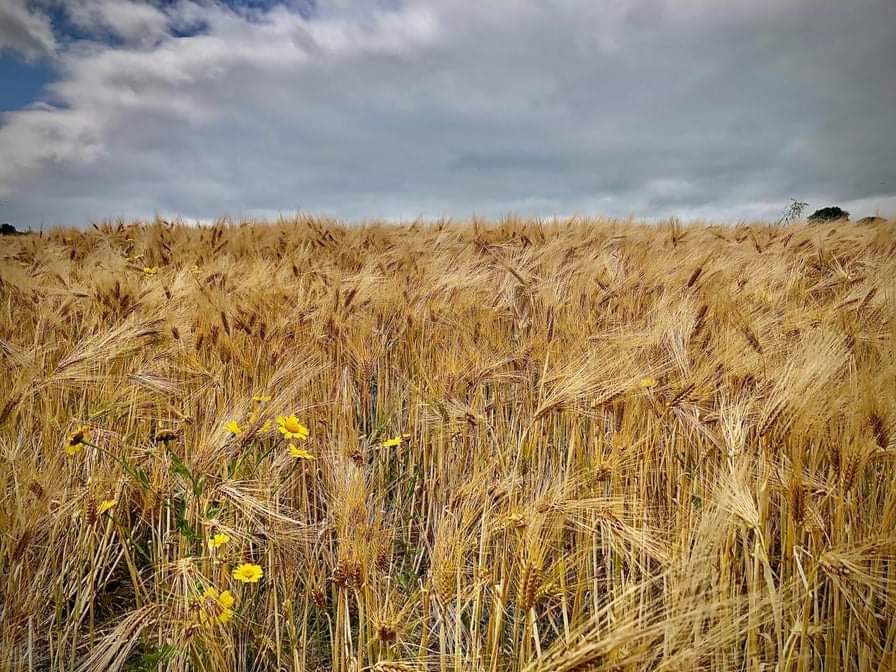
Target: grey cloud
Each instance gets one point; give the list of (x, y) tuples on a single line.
[(130, 21), (25, 30), (449, 108)]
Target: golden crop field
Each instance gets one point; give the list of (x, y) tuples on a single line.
[(518, 445)]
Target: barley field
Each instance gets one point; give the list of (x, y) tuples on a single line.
[(488, 446)]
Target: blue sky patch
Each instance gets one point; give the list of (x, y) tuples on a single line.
[(23, 82)]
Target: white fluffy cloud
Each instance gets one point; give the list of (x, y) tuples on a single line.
[(437, 107)]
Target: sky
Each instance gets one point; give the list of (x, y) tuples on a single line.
[(404, 109)]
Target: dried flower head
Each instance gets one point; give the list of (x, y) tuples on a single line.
[(78, 439), (166, 435)]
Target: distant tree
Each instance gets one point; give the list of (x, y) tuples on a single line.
[(8, 230), (829, 214)]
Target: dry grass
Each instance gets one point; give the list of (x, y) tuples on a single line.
[(623, 447)]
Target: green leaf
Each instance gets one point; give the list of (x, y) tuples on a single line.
[(183, 525), (152, 659), (179, 468)]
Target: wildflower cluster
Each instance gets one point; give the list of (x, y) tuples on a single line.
[(289, 426)]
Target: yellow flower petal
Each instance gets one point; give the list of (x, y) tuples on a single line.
[(226, 599), (105, 505), (216, 605), (233, 427)]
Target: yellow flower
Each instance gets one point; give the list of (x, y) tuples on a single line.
[(291, 428), (300, 453), (391, 443), (233, 427), (105, 505), (218, 605), (77, 440), (150, 270), (248, 573), (218, 540), (261, 397), (266, 426), (648, 382)]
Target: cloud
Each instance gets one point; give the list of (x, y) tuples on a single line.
[(441, 107), (25, 31), (130, 22)]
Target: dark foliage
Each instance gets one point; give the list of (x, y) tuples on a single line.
[(829, 214)]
